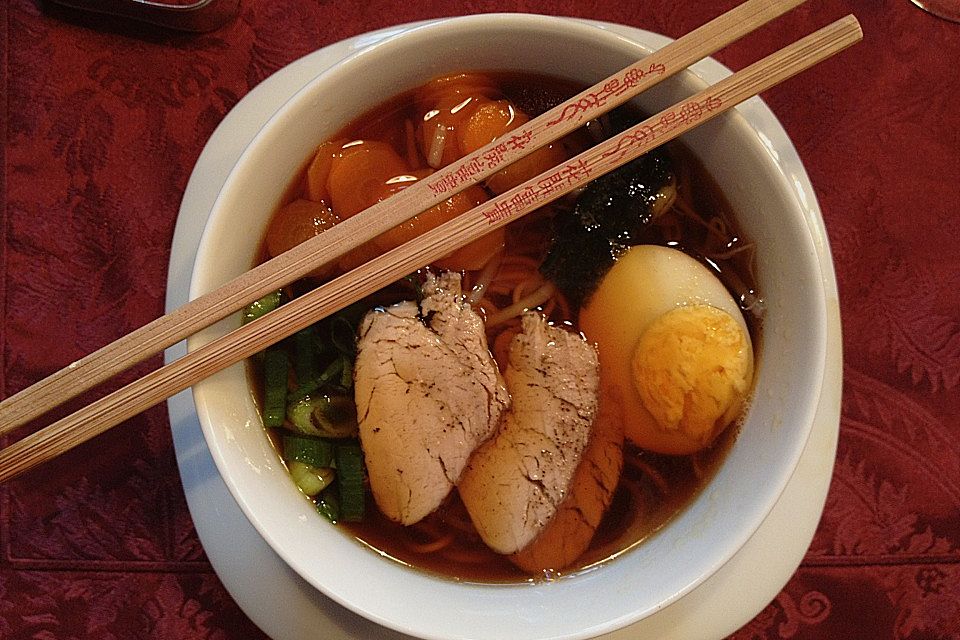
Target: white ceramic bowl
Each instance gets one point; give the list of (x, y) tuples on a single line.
[(753, 161)]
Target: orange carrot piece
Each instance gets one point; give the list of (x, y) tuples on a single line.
[(453, 89), (469, 257), (492, 120), (359, 255), (358, 174), (430, 218), (315, 182), (488, 121), (473, 256), (444, 105), (526, 168), (370, 250), (296, 222)]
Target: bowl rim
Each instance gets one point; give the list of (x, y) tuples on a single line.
[(811, 219)]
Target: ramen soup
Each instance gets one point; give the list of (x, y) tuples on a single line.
[(537, 401)]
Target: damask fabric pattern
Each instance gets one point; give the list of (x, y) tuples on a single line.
[(102, 122)]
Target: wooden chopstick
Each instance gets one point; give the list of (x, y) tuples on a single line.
[(307, 309), (201, 312)]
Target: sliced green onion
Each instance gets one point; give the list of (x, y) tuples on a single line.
[(311, 480), (305, 361), (303, 391), (312, 451), (326, 416), (259, 307), (339, 373), (350, 481), (275, 376), (333, 372), (328, 505), (343, 335), (346, 374)]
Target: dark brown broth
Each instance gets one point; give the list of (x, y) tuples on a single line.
[(637, 512)]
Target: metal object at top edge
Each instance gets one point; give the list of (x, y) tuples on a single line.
[(187, 15)]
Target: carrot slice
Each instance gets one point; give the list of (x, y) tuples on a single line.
[(452, 89), (445, 104), (438, 131), (432, 217), (492, 120), (526, 167), (296, 222), (400, 182), (315, 183), (487, 122), (358, 174), (373, 248), (359, 255), (473, 256), (469, 257)]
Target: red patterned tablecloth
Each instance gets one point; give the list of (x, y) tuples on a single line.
[(102, 122)]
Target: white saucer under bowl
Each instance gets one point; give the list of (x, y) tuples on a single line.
[(286, 607)]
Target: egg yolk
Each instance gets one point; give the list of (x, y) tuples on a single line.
[(691, 369)]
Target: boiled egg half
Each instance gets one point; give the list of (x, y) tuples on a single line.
[(675, 352)]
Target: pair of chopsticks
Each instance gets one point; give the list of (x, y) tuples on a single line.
[(301, 312)]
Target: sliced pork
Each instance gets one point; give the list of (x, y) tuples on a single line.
[(515, 482), (568, 535), (428, 392)]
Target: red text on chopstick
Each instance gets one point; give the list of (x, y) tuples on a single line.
[(450, 180), (567, 176), (616, 86)]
